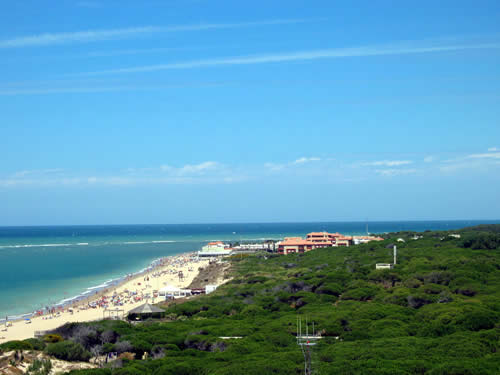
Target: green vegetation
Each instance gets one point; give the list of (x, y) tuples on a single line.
[(51, 338), (40, 367), (16, 345), (68, 351), (436, 312)]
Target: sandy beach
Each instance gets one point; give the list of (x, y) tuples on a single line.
[(125, 296)]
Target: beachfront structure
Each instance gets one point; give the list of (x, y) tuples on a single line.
[(291, 245), (171, 291), (252, 247), (364, 239), (316, 240), (323, 239), (144, 312), (215, 249), (343, 241)]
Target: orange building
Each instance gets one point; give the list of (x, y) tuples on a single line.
[(291, 245), (344, 241), (314, 240)]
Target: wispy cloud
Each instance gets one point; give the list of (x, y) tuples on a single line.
[(274, 167), (47, 39), (387, 163), (491, 149), (199, 168), (306, 160), (39, 172), (489, 155), (299, 56), (395, 172), (206, 172), (429, 159)]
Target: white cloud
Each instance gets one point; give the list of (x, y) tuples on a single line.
[(205, 172), (306, 160), (25, 173), (429, 159), (387, 163), (198, 168), (491, 149), (299, 56), (491, 155), (395, 172), (274, 167), (47, 39)]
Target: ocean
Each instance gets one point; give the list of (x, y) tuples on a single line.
[(45, 266)]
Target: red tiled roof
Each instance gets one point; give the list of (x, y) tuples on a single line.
[(295, 241)]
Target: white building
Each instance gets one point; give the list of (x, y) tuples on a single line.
[(171, 291), (215, 249), (365, 239)]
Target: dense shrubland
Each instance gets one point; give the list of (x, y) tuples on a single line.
[(436, 312)]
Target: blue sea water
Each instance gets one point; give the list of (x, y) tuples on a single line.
[(42, 266)]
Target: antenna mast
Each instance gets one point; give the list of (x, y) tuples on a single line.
[(306, 344)]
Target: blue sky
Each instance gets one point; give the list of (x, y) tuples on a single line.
[(192, 111)]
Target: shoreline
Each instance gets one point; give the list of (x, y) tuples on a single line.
[(87, 295), (90, 292), (126, 293)]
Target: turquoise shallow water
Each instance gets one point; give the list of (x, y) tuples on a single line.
[(41, 266)]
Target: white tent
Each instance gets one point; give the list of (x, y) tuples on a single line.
[(173, 291), (169, 289)]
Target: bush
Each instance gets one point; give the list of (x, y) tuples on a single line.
[(128, 371), (40, 367), (360, 294), (123, 346), (68, 351), (52, 338), (332, 289), (94, 371), (37, 344), (15, 345), (108, 348), (478, 319), (417, 301), (438, 277)]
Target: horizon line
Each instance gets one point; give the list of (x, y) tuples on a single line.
[(495, 221)]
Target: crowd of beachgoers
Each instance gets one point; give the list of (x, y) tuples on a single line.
[(113, 302)]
